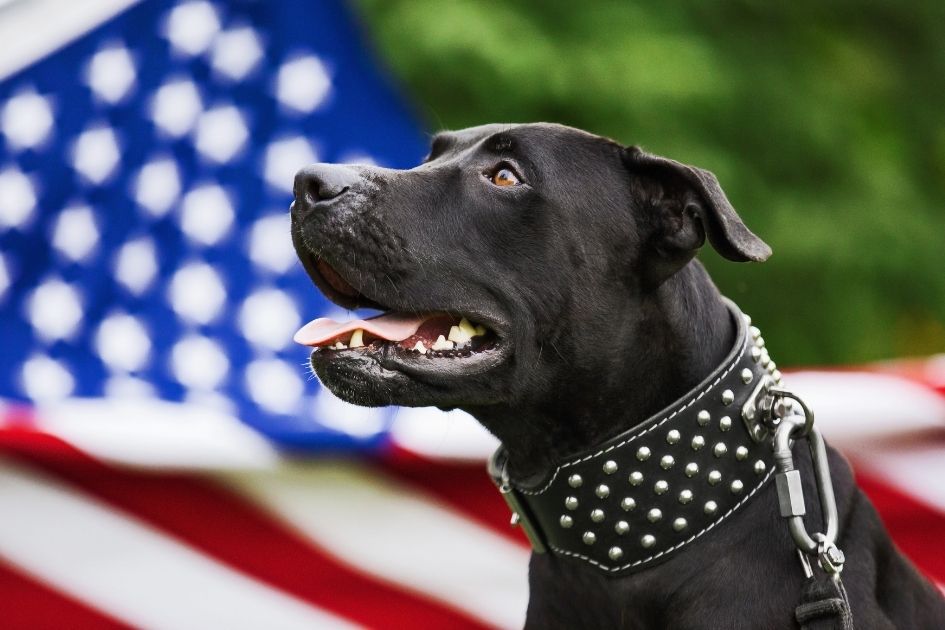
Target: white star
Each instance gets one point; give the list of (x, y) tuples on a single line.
[(191, 27), (4, 277), (274, 385), (199, 362), (123, 342), (269, 318), (44, 379), (111, 73), (284, 158), (303, 84), (95, 154), (157, 186), (26, 120), (136, 265), (270, 244), (196, 293), (221, 133), (17, 198), (55, 310), (236, 52), (75, 234), (175, 107), (206, 214)]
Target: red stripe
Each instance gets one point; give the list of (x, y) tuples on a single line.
[(225, 525), (915, 527), (30, 604), (462, 486)]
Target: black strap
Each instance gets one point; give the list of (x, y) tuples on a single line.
[(824, 605)]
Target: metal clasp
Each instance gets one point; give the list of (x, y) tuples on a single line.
[(498, 470), (790, 489)]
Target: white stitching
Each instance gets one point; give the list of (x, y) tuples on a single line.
[(643, 431), (673, 548)]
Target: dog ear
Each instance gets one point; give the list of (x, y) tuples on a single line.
[(690, 205)]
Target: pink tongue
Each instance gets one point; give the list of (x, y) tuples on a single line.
[(391, 326)]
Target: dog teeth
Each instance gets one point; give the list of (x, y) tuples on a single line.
[(442, 344), (420, 348), (357, 338), (465, 331), (339, 346)]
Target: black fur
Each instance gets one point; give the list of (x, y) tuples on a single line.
[(587, 273)]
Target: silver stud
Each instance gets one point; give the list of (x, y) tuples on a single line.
[(666, 462), (628, 504), (760, 342), (698, 442), (602, 491), (643, 453), (571, 503), (654, 514), (765, 358), (597, 515), (680, 524), (660, 487), (685, 496), (755, 332), (760, 467), (589, 538), (648, 541), (575, 481), (615, 553), (566, 521), (710, 508), (725, 423), (719, 449), (747, 319), (672, 437), (741, 453), (622, 527), (515, 520), (703, 418), (776, 375), (747, 375), (728, 397), (772, 366), (755, 354), (714, 477), (636, 478), (610, 467), (692, 469), (737, 486)]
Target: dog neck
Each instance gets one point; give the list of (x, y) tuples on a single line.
[(681, 335)]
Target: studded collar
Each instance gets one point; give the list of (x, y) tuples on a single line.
[(646, 494)]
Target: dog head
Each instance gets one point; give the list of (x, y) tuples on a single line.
[(531, 249)]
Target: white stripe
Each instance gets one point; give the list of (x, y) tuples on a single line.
[(31, 30), (130, 570), (857, 409), (917, 472), (148, 432), (394, 533)]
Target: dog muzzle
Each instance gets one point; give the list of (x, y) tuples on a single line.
[(644, 495)]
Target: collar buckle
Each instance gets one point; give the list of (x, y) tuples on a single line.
[(498, 471)]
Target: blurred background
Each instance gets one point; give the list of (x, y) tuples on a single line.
[(166, 460)]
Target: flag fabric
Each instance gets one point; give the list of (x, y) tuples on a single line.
[(166, 461)]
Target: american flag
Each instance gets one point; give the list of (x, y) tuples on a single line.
[(165, 460)]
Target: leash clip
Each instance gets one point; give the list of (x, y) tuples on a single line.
[(498, 471), (788, 428)]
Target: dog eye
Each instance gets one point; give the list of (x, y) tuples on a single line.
[(504, 177)]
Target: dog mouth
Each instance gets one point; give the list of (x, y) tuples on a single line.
[(406, 339)]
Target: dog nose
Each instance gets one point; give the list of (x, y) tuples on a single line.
[(321, 182)]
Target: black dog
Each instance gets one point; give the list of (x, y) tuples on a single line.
[(543, 279)]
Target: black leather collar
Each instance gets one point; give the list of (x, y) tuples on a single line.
[(646, 494)]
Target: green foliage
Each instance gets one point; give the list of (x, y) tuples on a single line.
[(825, 123)]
